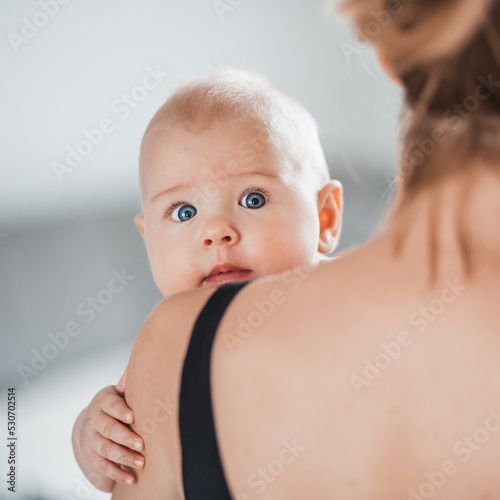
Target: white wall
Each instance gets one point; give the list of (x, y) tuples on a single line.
[(70, 74)]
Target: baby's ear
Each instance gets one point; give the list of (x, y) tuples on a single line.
[(330, 206), (139, 222)]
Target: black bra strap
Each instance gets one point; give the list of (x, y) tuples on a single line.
[(202, 473)]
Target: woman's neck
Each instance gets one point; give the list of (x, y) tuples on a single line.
[(452, 228)]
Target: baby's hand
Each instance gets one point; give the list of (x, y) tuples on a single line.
[(105, 442)]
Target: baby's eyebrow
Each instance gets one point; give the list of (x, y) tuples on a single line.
[(272, 175), (168, 191)]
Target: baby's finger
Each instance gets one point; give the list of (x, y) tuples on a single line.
[(116, 453), (111, 470), (115, 406), (117, 432), (120, 387)]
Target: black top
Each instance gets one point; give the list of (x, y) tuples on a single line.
[(202, 473)]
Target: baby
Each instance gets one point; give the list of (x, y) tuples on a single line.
[(234, 187)]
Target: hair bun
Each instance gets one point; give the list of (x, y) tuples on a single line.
[(417, 32)]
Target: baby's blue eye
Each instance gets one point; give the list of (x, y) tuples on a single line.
[(183, 213), (253, 200)]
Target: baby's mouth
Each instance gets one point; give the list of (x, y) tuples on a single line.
[(226, 273)]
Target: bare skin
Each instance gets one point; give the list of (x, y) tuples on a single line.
[(102, 439), (434, 407), (293, 224)]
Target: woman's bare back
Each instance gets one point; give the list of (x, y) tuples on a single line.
[(383, 386)]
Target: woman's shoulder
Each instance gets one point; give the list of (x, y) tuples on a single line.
[(268, 305), (164, 336), (162, 342), (152, 391)]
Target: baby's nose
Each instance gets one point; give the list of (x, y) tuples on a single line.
[(219, 232)]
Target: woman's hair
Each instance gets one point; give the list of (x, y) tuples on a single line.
[(447, 55)]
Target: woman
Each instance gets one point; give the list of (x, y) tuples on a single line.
[(375, 375)]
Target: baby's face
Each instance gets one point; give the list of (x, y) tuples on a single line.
[(219, 207)]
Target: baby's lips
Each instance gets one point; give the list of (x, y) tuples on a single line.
[(227, 277)]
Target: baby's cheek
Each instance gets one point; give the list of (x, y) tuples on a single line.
[(161, 270), (283, 255)]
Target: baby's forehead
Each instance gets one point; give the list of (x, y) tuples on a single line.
[(180, 155), (241, 141)]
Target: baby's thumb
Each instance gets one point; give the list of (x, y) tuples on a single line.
[(120, 387)]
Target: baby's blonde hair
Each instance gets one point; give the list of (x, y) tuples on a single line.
[(233, 94)]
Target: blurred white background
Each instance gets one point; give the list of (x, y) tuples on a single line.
[(66, 67)]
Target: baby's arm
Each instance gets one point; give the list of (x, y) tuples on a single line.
[(101, 441)]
